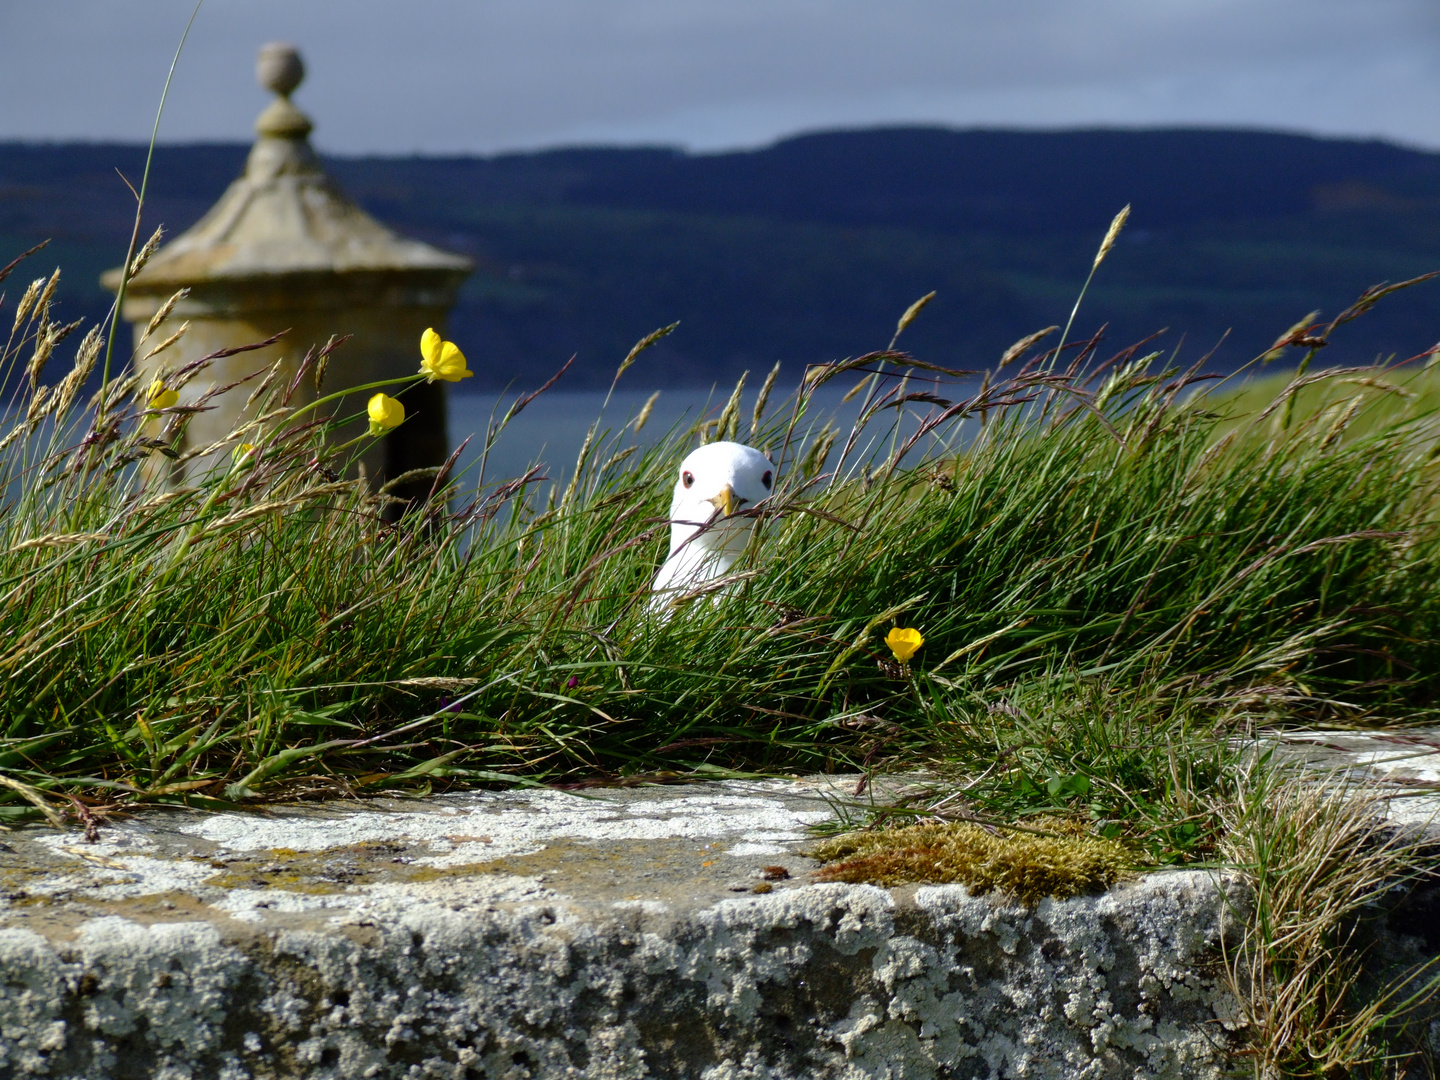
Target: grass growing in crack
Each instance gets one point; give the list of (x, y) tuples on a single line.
[(1145, 765), (1322, 862)]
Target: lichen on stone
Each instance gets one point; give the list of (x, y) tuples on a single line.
[(1062, 861)]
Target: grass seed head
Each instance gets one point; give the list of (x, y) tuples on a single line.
[(45, 343), (164, 313), (1290, 337), (818, 453), (645, 411), (640, 346), (854, 391), (763, 398), (322, 362), (86, 357), (171, 340), (1111, 234), (728, 423), (580, 460), (27, 301), (42, 303), (143, 255), (910, 314), (1021, 347), (38, 405), (263, 386), (1342, 422)]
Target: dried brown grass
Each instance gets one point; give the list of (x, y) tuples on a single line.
[(1320, 858)]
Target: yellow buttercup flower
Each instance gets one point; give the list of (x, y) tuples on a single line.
[(385, 413), (440, 359), (161, 398), (904, 642)]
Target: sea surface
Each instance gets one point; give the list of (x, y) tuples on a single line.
[(551, 429)]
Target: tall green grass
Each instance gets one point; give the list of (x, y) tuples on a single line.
[(267, 631)]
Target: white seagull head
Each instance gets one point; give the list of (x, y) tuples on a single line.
[(713, 484)]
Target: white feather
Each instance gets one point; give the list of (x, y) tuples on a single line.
[(705, 541)]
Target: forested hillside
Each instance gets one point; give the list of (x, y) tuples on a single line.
[(808, 249)]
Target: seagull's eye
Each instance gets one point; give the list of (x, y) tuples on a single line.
[(766, 479), (687, 478)]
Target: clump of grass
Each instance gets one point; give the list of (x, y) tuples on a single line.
[(266, 632), (1025, 866), (1322, 863), (1096, 772), (1148, 764)]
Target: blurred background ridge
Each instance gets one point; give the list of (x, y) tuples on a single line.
[(809, 249)]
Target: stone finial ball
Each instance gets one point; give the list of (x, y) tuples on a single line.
[(279, 68)]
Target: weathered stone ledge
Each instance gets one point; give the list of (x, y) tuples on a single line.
[(665, 932)]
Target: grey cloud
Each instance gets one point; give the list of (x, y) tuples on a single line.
[(455, 75)]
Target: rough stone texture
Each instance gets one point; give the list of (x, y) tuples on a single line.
[(1404, 761), (546, 934), (640, 932)]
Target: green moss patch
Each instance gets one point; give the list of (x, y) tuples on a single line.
[(1026, 866)]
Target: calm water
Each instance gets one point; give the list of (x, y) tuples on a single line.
[(551, 429)]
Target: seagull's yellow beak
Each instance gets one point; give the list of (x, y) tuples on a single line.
[(727, 502)]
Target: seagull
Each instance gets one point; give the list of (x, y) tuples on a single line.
[(706, 538)]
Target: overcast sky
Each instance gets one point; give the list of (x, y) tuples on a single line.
[(440, 76)]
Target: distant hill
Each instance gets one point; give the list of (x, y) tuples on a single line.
[(809, 249), (1015, 183)]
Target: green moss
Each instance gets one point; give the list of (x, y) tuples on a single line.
[(1025, 866)]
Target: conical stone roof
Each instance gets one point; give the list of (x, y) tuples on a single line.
[(286, 217)]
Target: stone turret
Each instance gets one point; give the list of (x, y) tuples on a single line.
[(284, 249)]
